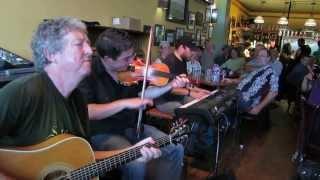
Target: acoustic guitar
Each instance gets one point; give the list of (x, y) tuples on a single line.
[(69, 157)]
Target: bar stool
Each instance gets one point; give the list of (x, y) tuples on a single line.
[(260, 123)]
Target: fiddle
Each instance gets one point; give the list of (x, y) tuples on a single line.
[(158, 74)]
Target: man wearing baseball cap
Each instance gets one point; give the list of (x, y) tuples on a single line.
[(177, 63)]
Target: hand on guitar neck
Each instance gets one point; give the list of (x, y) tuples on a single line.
[(148, 151)]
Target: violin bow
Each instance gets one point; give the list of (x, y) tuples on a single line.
[(138, 131)]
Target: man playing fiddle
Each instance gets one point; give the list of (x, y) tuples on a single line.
[(112, 106)]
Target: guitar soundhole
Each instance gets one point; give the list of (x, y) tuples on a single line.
[(56, 175)]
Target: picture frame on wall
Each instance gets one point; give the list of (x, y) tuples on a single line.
[(189, 35), (207, 15), (210, 31), (177, 11), (159, 34), (170, 36), (179, 32), (202, 39), (199, 18), (191, 20), (204, 27), (198, 36)]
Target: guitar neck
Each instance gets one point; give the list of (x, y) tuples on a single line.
[(105, 165)]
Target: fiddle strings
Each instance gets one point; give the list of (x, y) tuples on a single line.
[(138, 131)]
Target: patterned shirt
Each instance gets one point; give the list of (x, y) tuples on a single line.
[(256, 85), (193, 66)]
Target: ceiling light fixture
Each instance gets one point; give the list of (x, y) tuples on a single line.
[(259, 19), (283, 21), (311, 23)]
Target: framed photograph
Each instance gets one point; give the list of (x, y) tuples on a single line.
[(199, 18), (204, 27), (177, 11), (211, 15), (191, 21), (207, 15), (198, 36), (159, 34), (189, 35), (210, 31), (179, 32), (202, 40), (170, 36)]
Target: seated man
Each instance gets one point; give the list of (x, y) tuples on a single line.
[(258, 88), (177, 63), (112, 106), (254, 64), (47, 103)]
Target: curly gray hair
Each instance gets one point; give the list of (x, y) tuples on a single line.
[(49, 37)]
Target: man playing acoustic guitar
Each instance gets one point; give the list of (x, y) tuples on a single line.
[(47, 103)]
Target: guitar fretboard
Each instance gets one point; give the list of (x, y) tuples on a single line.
[(106, 165)]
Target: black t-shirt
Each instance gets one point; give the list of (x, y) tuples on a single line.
[(32, 109), (175, 65), (99, 88)]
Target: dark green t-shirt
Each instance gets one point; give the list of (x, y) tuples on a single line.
[(32, 110)]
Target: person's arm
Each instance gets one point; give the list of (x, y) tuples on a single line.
[(229, 81), (154, 91), (192, 92), (101, 111), (147, 153), (266, 100), (306, 85)]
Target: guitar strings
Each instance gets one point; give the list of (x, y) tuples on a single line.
[(96, 169)]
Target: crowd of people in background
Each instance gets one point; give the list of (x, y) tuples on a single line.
[(262, 74), (291, 67)]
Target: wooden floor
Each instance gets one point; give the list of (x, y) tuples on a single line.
[(264, 157)]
